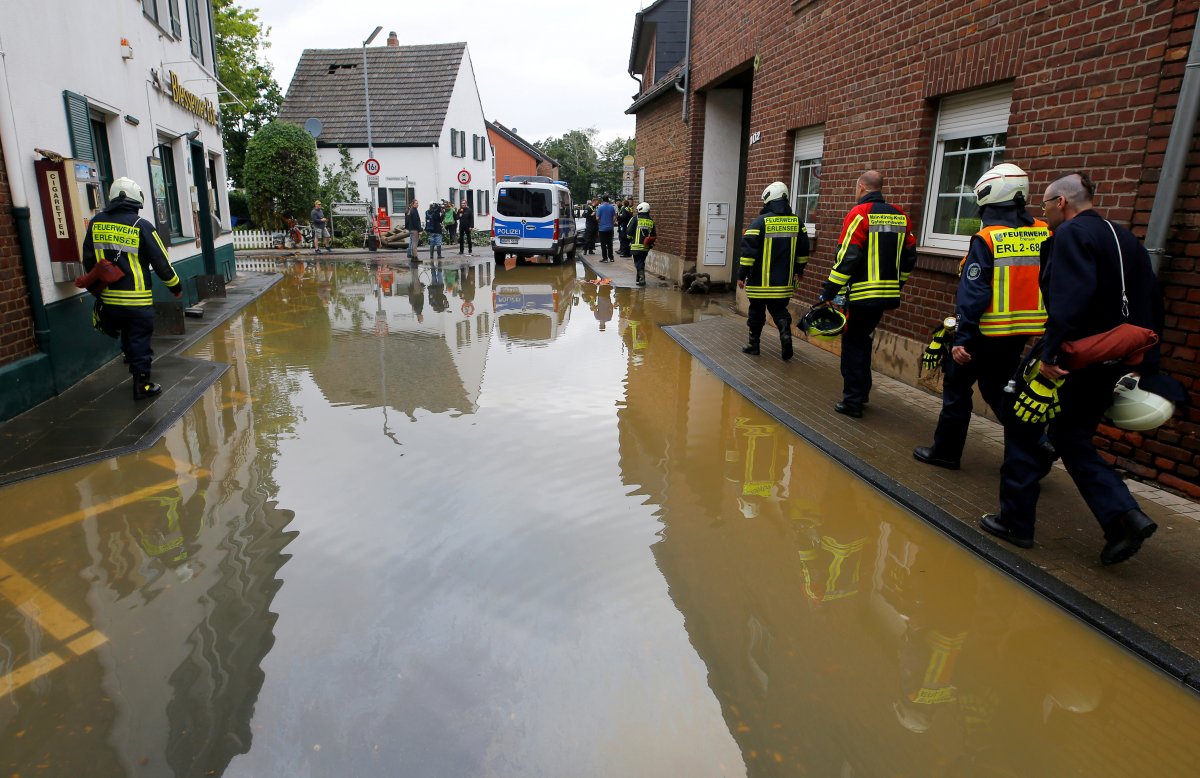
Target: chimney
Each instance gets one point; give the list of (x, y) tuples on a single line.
[(392, 39)]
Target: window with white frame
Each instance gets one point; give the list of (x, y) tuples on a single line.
[(972, 130), (806, 173)]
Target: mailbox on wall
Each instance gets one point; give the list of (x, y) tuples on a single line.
[(69, 190)]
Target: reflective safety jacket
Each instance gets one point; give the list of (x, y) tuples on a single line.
[(130, 242), (876, 252), (774, 252), (641, 232), (998, 292)]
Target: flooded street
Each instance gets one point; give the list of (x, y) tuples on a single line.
[(488, 521)]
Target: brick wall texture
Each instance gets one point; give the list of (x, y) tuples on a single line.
[(16, 320), (1094, 88)]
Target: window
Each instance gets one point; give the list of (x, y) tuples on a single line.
[(485, 205), (471, 198), (806, 173), (214, 191), (524, 202), (103, 157), (453, 197), (478, 147), (150, 9), (972, 130), (193, 15), (176, 28), (400, 199), (167, 155)]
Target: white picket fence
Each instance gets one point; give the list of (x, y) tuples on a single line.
[(252, 239)]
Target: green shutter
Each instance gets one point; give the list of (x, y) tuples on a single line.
[(176, 28), (79, 123)]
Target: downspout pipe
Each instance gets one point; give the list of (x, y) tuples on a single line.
[(14, 164), (1175, 158), (683, 83)]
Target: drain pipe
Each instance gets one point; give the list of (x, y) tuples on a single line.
[(1175, 159), (685, 77), (20, 211)]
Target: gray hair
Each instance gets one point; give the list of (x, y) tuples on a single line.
[(1077, 188)]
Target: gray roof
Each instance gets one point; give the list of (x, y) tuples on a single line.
[(520, 142), (410, 92)]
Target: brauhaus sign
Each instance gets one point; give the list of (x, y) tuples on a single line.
[(202, 107)]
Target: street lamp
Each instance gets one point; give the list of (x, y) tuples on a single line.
[(370, 141)]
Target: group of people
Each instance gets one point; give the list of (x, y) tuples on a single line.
[(441, 222), (602, 221), (1062, 278)]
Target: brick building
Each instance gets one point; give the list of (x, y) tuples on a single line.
[(932, 94), (515, 156)]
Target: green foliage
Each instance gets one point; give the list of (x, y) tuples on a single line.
[(280, 173), (609, 166), (239, 206), (339, 186), (588, 169), (241, 39)]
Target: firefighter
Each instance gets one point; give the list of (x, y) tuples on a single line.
[(641, 237), (999, 306), (773, 255), (876, 252), (125, 308)]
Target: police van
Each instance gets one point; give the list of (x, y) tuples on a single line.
[(533, 218)]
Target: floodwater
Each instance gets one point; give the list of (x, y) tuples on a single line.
[(484, 521)]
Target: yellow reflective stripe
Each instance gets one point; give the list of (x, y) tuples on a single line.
[(158, 240), (747, 261), (139, 275), (766, 261), (753, 232), (768, 292), (873, 270), (845, 246)]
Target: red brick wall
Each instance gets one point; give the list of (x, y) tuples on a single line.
[(511, 159), (16, 320), (1094, 88), (662, 148)]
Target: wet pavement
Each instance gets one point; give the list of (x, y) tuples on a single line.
[(480, 520)]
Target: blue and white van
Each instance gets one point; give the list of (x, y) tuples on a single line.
[(533, 218)]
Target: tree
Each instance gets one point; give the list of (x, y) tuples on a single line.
[(610, 165), (241, 39), (338, 186), (280, 173), (576, 157)]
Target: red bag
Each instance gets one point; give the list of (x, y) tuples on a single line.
[(1125, 343), (100, 277)]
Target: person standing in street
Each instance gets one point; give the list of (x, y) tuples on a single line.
[(624, 214), (876, 252), (466, 223), (412, 223), (773, 255), (1096, 276), (999, 305), (433, 226), (641, 237), (449, 217), (125, 307), (591, 226), (320, 227), (606, 221)]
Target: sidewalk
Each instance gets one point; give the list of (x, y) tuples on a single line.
[(1150, 604), (97, 418)]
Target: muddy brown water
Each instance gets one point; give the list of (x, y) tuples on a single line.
[(481, 521)]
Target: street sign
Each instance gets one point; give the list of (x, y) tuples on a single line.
[(628, 162), (372, 180), (627, 188), (464, 176), (628, 175), (371, 166), (351, 209)]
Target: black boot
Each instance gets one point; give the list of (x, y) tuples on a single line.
[(143, 387), (641, 278), (751, 347), (1133, 527), (785, 337)]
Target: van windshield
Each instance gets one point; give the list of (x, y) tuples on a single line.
[(524, 202)]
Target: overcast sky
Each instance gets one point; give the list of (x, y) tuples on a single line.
[(542, 67)]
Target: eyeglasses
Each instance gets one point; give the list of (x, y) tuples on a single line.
[(1050, 200)]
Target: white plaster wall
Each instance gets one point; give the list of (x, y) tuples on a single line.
[(48, 47), (719, 177)]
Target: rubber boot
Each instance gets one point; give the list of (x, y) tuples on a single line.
[(751, 347), (641, 278), (785, 337), (143, 387)]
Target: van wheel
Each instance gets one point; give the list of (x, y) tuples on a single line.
[(500, 257), (557, 258)]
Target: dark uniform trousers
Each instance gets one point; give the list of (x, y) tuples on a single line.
[(606, 247), (994, 360), (1085, 396), (757, 316), (136, 326), (857, 340)]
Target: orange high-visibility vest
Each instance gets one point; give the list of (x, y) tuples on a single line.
[(1017, 307)]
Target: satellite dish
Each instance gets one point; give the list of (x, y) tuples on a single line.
[(313, 127)]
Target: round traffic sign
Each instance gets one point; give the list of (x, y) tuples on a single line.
[(371, 166), (464, 176)]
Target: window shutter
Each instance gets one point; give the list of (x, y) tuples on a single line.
[(453, 142), (976, 113), (79, 123), (176, 29), (810, 143)]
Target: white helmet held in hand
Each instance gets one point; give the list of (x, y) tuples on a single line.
[(643, 208), (1136, 409), (775, 191), (1002, 184), (127, 188)]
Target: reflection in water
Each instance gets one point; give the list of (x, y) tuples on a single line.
[(589, 558)]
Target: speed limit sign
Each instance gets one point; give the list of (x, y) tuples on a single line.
[(464, 176), (371, 166)]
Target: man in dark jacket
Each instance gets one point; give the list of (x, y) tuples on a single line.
[(774, 253), (624, 214), (125, 308), (466, 223), (433, 225), (876, 252), (412, 223), (1096, 276)]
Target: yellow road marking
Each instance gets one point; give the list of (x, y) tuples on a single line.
[(172, 464), (29, 672), (35, 603), (81, 645), (95, 510)]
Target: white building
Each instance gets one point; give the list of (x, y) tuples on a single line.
[(428, 130), (130, 89)]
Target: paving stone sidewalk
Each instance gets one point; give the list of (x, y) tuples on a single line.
[(1151, 603)]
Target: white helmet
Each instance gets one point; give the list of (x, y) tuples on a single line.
[(775, 191), (1002, 184), (1136, 409), (643, 208), (127, 188)]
